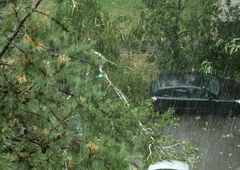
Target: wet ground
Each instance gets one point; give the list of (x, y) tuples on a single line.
[(217, 137)]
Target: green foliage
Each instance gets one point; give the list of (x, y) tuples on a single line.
[(5, 163), (55, 112), (122, 9), (181, 35), (206, 67), (159, 146), (130, 81), (229, 57), (223, 51), (48, 91), (176, 31)]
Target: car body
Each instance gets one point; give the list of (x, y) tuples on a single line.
[(195, 92), (169, 165)]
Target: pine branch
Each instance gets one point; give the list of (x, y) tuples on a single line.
[(18, 29), (19, 49), (65, 28), (31, 112)]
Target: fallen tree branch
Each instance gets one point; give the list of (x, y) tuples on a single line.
[(150, 151), (102, 57), (117, 90)]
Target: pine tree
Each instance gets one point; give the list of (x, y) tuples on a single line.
[(49, 92)]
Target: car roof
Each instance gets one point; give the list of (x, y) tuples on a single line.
[(180, 79)]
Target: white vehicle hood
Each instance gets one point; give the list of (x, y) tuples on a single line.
[(171, 165)]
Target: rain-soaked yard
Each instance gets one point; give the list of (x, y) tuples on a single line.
[(217, 137)]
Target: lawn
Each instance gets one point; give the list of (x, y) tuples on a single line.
[(128, 8)]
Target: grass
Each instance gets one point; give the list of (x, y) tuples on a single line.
[(130, 9), (116, 8)]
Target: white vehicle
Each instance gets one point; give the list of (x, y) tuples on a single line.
[(169, 165)]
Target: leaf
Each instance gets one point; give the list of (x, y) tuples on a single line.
[(220, 42)]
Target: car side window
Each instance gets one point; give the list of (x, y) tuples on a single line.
[(181, 92), (198, 93), (211, 84), (164, 93), (155, 86)]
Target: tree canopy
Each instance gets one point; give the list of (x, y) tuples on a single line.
[(181, 35)]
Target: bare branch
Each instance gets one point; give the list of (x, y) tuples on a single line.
[(150, 151), (117, 90), (101, 56)]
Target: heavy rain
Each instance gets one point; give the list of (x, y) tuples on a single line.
[(74, 76), (203, 121), (216, 137)]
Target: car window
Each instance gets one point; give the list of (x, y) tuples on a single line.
[(181, 92), (155, 86), (211, 84), (165, 93), (173, 92), (198, 93)]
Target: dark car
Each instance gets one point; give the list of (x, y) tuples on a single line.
[(195, 92)]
